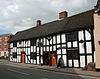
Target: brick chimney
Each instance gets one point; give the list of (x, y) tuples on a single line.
[(63, 15), (38, 22), (97, 8)]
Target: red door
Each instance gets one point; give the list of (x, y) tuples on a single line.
[(23, 58), (53, 59)]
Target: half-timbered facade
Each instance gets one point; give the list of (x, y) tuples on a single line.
[(71, 39)]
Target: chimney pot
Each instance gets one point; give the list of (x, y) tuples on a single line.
[(38, 22), (95, 8), (63, 15)]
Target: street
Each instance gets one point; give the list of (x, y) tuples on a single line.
[(11, 72)]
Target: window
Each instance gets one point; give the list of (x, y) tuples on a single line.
[(5, 38), (0, 39), (33, 55), (0, 47), (14, 54), (15, 44), (72, 54), (72, 36), (5, 54), (33, 42), (5, 47)]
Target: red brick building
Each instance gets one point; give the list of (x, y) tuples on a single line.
[(4, 46)]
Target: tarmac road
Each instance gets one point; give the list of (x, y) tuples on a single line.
[(11, 72)]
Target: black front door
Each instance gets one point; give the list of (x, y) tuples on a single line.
[(46, 58)]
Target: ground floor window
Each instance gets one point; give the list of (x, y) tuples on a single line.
[(5, 54)]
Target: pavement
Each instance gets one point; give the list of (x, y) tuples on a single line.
[(76, 71)]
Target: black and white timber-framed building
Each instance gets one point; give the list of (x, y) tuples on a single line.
[(71, 38)]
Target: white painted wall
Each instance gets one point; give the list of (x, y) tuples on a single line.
[(97, 38)]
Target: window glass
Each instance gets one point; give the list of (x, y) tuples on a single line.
[(5, 47), (4, 53), (5, 38), (0, 39), (0, 47)]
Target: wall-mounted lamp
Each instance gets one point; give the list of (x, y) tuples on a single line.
[(99, 42)]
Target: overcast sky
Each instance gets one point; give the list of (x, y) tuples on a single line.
[(17, 15)]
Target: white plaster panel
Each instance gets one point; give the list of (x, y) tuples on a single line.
[(41, 60), (34, 48), (44, 48), (44, 41), (63, 51), (75, 44), (89, 47), (54, 40), (37, 59), (41, 51), (64, 58), (19, 58), (63, 38), (11, 45), (58, 51), (89, 59), (31, 48), (26, 59), (47, 42), (58, 38), (26, 50), (54, 48), (76, 63), (48, 48), (70, 63), (17, 44), (82, 61), (87, 35), (34, 61), (81, 48), (58, 46), (81, 35), (68, 44), (19, 51), (11, 58), (29, 43), (37, 49), (24, 43), (58, 56)]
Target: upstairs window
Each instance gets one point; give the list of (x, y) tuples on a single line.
[(5, 38), (0, 47), (15, 44), (5, 47), (0, 39), (72, 36), (33, 42), (33, 55)]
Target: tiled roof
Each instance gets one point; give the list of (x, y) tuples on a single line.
[(79, 21)]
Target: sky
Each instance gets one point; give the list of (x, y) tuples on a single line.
[(17, 15)]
